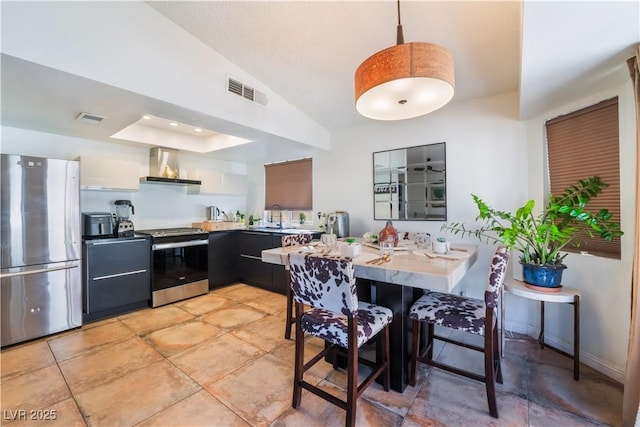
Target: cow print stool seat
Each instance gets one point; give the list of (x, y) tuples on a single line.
[(450, 311), (327, 284), (465, 314)]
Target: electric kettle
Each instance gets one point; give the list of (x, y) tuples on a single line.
[(213, 213)]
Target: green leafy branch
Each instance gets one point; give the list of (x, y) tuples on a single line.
[(541, 237)]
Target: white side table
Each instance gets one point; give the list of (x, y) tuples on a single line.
[(565, 295)]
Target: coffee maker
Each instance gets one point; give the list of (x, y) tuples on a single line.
[(123, 226)]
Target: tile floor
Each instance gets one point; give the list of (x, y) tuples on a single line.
[(221, 360)]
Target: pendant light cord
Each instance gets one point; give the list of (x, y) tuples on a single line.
[(399, 35)]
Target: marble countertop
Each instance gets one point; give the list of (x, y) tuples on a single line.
[(408, 267), (231, 225), (283, 230)]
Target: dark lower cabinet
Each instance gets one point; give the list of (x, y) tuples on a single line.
[(116, 277), (223, 258), (279, 278), (251, 269), (255, 272), (116, 273), (278, 273)]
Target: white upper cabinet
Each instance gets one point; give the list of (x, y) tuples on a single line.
[(215, 182), (97, 173), (211, 182), (234, 184)]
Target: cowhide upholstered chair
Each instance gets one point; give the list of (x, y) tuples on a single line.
[(292, 240), (466, 314), (327, 284)]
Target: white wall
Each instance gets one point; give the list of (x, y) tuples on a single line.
[(486, 149), (156, 205), (478, 136), (605, 284)]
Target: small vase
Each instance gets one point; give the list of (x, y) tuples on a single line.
[(389, 234)]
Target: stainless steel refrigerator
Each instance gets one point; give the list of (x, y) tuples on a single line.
[(40, 276)]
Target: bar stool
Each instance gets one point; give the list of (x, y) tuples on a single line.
[(292, 240), (565, 295), (471, 315), (328, 285)]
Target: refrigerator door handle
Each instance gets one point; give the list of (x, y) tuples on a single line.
[(27, 272)]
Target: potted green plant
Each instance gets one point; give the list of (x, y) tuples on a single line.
[(302, 217), (541, 238)]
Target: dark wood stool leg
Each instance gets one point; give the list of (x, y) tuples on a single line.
[(387, 352), (415, 346), (496, 355), (352, 373), (299, 362), (290, 319), (430, 337), (489, 372), (576, 337)]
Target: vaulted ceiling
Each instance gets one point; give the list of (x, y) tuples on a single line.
[(309, 51)]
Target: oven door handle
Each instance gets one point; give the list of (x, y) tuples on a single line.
[(162, 246)]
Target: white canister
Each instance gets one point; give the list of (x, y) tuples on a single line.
[(440, 247), (352, 250)]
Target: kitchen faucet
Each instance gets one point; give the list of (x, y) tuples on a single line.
[(279, 208)]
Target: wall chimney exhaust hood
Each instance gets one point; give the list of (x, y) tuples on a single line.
[(164, 168)]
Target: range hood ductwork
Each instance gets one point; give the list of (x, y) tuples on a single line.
[(164, 168), (161, 180)]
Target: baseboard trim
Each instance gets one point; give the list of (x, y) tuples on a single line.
[(585, 357)]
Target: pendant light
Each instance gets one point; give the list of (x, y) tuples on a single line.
[(404, 81)]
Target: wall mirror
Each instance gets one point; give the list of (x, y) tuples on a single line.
[(410, 184)]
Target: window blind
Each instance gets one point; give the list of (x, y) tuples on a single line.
[(583, 144), (289, 184)]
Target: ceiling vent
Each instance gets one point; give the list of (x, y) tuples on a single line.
[(92, 119), (247, 92)]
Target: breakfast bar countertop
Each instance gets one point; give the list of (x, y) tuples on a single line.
[(410, 267)]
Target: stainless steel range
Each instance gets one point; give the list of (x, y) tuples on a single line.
[(180, 264)]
